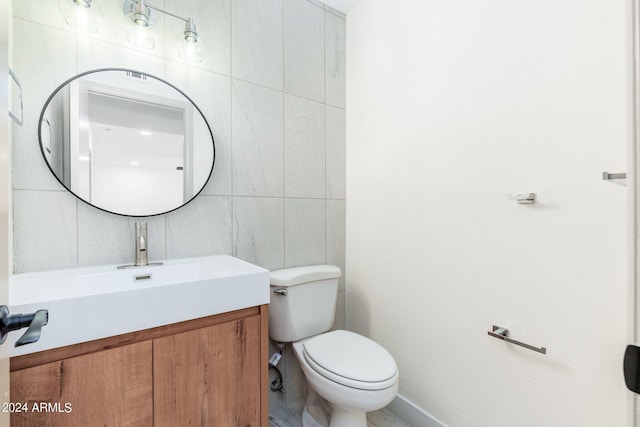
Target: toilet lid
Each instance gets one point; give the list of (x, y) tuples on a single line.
[(351, 359)]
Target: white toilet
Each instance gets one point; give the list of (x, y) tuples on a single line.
[(347, 374)]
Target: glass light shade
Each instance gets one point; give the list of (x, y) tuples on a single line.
[(139, 26), (191, 47), (83, 15), (141, 37)]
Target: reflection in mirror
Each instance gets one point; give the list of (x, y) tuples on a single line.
[(126, 142)]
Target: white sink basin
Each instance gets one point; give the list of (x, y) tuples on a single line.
[(96, 302)]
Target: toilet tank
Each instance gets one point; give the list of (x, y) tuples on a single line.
[(303, 301)]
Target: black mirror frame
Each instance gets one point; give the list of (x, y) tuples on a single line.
[(66, 82)]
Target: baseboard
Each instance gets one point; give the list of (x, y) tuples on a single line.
[(413, 414)]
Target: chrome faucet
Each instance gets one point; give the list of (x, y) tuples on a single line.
[(142, 259), (141, 244)]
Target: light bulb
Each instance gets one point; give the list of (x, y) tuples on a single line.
[(191, 46), (138, 25), (83, 15)]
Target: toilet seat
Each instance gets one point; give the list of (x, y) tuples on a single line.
[(351, 360)]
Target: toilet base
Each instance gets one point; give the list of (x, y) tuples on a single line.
[(344, 418), (316, 410), (320, 413)]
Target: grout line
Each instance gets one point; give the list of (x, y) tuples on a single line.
[(77, 234), (284, 145), (324, 81), (284, 157), (231, 92), (326, 234), (284, 234), (166, 236), (231, 38), (324, 58), (42, 189), (326, 175)]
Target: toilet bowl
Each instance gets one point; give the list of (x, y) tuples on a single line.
[(347, 374), (352, 373)]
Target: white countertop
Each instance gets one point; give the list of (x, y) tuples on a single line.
[(97, 302)]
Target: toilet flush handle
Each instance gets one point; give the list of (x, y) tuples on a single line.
[(281, 291)]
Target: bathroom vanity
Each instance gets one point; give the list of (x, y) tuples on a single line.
[(187, 346)]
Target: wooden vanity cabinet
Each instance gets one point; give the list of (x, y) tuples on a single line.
[(211, 371), (208, 377), (113, 386)]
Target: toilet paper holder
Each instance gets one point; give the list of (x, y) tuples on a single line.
[(503, 334)]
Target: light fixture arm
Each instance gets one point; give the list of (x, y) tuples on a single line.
[(143, 3)]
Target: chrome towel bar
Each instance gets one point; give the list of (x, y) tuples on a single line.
[(503, 334)]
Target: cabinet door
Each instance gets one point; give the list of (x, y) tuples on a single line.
[(108, 388), (209, 376)]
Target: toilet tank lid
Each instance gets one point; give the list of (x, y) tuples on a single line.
[(299, 275)]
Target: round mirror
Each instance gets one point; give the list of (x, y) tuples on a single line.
[(126, 142)]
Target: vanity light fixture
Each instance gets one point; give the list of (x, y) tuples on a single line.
[(83, 15), (141, 16)]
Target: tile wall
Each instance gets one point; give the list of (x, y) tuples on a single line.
[(272, 87)]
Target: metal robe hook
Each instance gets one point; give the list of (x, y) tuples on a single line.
[(618, 178)]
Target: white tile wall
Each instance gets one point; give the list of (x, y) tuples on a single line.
[(295, 383), (256, 42), (336, 152), (257, 140), (45, 229), (304, 49), (276, 197), (336, 229), (94, 53), (335, 59), (304, 148), (258, 230), (46, 13), (203, 227), (304, 232)]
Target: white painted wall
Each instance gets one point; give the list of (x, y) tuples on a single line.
[(450, 107)]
